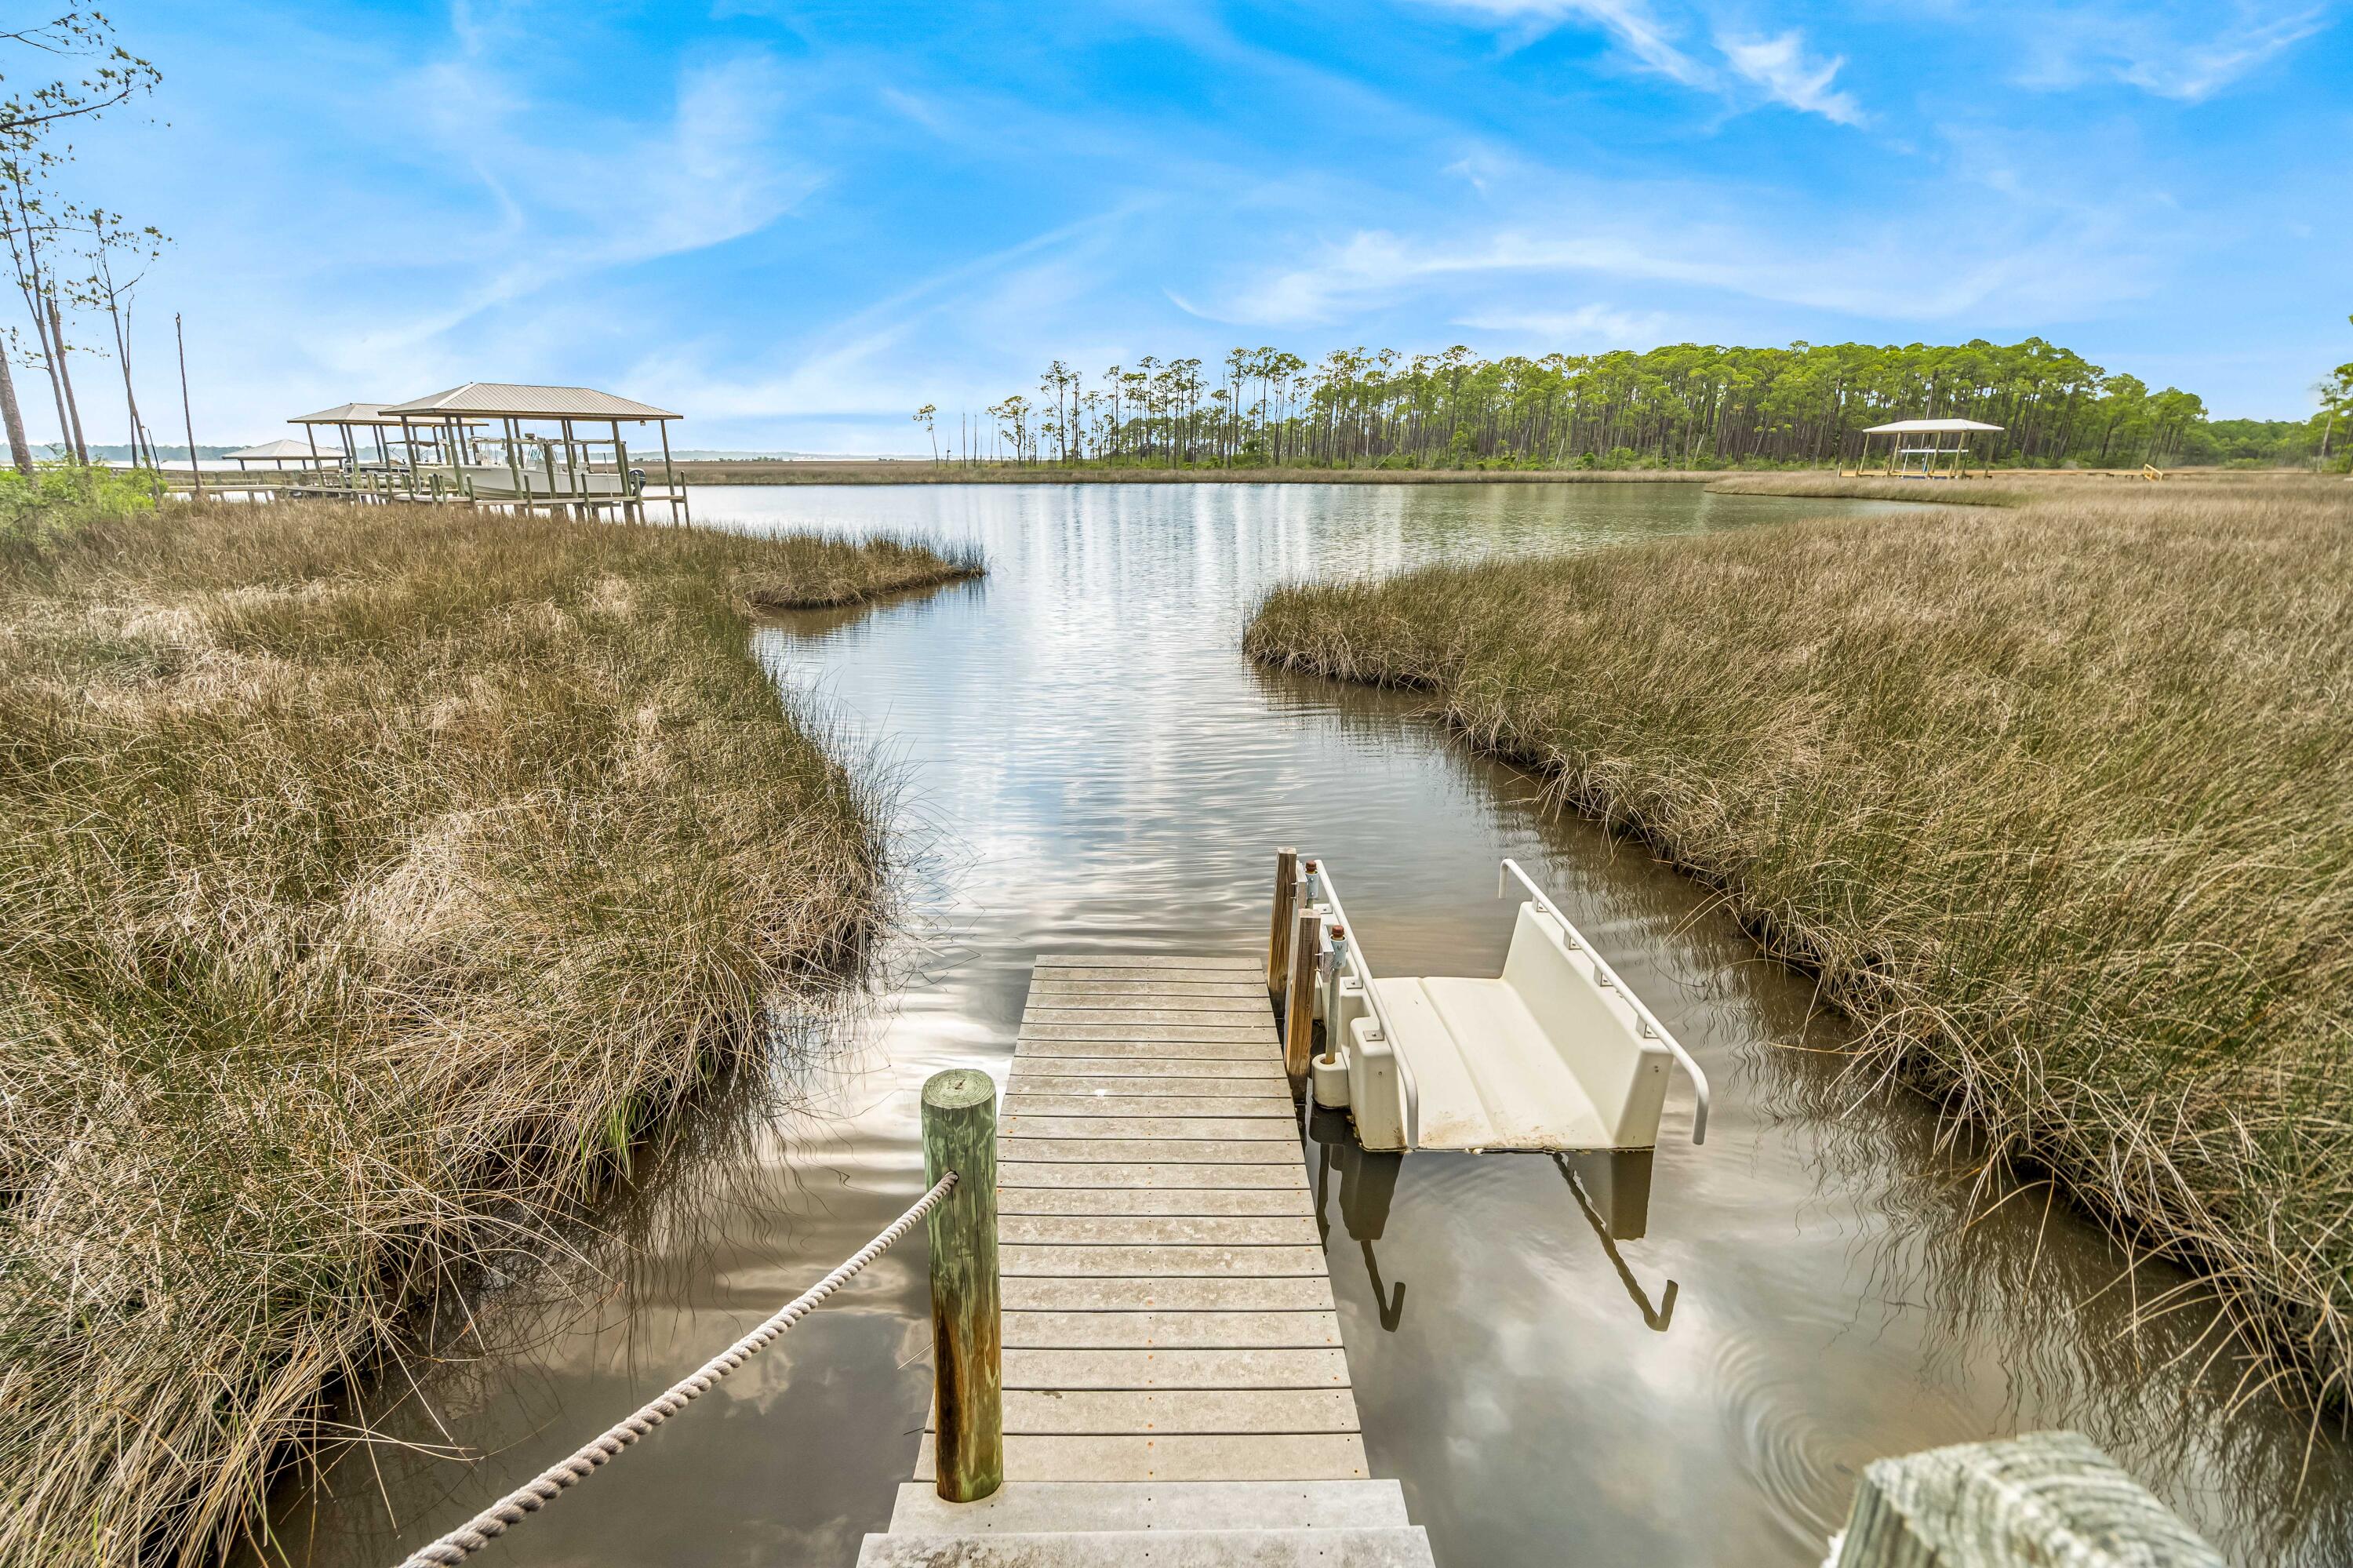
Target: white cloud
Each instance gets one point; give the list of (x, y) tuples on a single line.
[(2186, 52), (2025, 266), (1780, 66), (1630, 22), (1595, 323)]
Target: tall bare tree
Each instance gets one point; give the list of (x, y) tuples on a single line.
[(78, 72), (118, 256)]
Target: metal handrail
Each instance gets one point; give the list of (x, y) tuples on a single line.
[(1651, 1028), (1356, 959)]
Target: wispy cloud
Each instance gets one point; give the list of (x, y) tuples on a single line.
[(1586, 325), (1777, 64), (2185, 52), (1633, 24), (2033, 267), (1780, 66)]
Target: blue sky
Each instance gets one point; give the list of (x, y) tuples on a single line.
[(796, 222)]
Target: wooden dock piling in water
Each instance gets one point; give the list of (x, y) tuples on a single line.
[(960, 1135)]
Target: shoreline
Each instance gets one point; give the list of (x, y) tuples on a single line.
[(1866, 817), (539, 844)]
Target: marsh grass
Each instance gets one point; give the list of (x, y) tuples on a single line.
[(2057, 799), (372, 882), (2004, 492)]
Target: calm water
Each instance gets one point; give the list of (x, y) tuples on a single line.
[(1087, 763)]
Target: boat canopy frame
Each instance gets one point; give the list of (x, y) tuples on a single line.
[(500, 444), (1938, 459)]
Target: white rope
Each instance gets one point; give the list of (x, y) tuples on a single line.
[(544, 1487)]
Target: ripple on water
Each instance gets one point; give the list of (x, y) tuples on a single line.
[(1769, 1387)]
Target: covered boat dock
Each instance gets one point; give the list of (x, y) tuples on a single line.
[(558, 450), (1921, 449)]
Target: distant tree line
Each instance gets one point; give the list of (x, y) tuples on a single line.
[(1683, 406)]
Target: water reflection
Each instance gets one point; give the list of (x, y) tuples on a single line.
[(1368, 1181), (1089, 764), (1622, 1214)]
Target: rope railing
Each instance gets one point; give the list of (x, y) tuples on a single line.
[(550, 1483)]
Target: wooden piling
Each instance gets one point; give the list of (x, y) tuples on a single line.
[(960, 1135), (1299, 1005), (2044, 1497), (1278, 939)]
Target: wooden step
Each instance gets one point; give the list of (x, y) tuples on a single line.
[(1395, 1546), (1092, 1505)]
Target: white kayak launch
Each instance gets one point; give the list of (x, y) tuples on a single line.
[(1553, 1055)]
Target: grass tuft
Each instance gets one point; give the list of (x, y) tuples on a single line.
[(372, 881), (2058, 799)]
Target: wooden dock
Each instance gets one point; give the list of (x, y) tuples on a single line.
[(1175, 1390)]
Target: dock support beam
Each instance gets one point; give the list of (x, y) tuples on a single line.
[(967, 1339), (2046, 1497), (1278, 937), (1299, 1004)]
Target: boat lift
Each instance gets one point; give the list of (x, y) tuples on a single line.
[(1555, 1055)]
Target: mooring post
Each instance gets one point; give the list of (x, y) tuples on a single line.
[(1278, 939), (960, 1135), (1299, 1004), (2044, 1497)]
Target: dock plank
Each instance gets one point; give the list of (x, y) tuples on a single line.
[(1144, 1331), (1159, 1230), (1167, 1293), (1247, 992), (1151, 960), (1049, 1078), (1158, 1041), (1286, 1457), (1269, 1129), (1079, 1411), (1271, 1107), (1139, 1150), (1014, 1170), (1181, 1200), (1014, 1258), (1162, 1368), (1042, 1061)]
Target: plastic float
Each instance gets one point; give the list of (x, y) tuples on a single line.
[(1553, 1054)]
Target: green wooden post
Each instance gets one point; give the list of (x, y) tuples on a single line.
[(960, 1135)]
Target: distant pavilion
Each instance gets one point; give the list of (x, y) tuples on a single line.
[(561, 467), (1919, 448), (276, 454), (492, 443)]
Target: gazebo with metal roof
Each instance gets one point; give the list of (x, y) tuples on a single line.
[(277, 453), (561, 472), (1938, 460), (345, 419)]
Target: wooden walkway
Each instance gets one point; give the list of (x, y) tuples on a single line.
[(1175, 1390)]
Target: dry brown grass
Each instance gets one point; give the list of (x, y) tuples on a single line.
[(371, 881), (2003, 491), (2058, 799), (2018, 487)]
